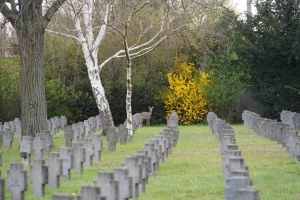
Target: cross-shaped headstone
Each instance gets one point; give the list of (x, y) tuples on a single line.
[(112, 138), (26, 149), (98, 147), (39, 177), (17, 181), (123, 134), (89, 152), (78, 157), (47, 142), (55, 170), (67, 158), (69, 136), (90, 192), (38, 146), (8, 138), (106, 183), (122, 183)]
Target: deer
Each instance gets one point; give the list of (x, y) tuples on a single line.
[(147, 115)]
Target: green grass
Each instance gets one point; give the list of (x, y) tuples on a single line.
[(192, 171)]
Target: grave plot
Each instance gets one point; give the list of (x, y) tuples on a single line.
[(238, 184)]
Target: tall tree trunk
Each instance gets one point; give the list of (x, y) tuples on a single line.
[(30, 35), (99, 94)]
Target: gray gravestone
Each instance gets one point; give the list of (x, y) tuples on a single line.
[(39, 177), (1, 139), (38, 146), (47, 142), (0, 159), (98, 147), (69, 136), (87, 127), (26, 149), (78, 157), (134, 171), (81, 130), (162, 143), (122, 183), (112, 138), (173, 119), (55, 170), (89, 152), (152, 152), (63, 197), (106, 183), (247, 193), (234, 184), (2, 188), (67, 162), (63, 122), (8, 138), (17, 181), (90, 193), (123, 134)]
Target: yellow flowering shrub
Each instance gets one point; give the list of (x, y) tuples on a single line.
[(185, 95)]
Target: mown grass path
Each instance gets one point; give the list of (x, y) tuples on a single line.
[(192, 171)]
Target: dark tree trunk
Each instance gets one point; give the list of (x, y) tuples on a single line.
[(30, 33), (30, 24)]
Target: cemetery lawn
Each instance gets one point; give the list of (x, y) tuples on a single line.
[(192, 171)]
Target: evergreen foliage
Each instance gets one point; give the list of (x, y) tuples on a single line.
[(269, 46)]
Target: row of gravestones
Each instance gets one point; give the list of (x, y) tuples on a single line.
[(49, 171), (58, 165), (280, 132), (238, 184), (291, 118), (129, 180)]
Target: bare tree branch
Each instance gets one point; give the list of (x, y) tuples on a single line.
[(51, 11)]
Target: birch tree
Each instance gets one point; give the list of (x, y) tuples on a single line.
[(30, 20)]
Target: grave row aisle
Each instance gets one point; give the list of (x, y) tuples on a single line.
[(238, 184)]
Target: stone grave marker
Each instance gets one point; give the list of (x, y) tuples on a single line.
[(78, 157), (2, 188), (134, 171), (63, 122), (26, 150), (123, 134), (69, 136), (0, 160), (90, 193), (8, 138), (98, 123), (47, 142), (233, 184), (247, 193), (173, 119), (39, 177), (87, 127), (38, 146), (122, 183), (112, 138), (81, 131), (1, 128), (75, 129), (98, 147), (18, 129), (63, 197), (162, 143), (152, 152), (17, 181), (67, 162), (89, 152), (53, 126), (106, 183), (55, 170)]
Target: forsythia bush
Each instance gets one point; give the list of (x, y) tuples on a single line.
[(185, 95)]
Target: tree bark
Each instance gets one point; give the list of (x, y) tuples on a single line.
[(29, 22)]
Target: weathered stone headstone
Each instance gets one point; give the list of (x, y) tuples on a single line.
[(63, 197), (26, 150), (2, 188), (106, 184), (112, 138), (78, 157), (152, 152), (173, 119), (247, 193), (89, 152), (53, 126), (134, 171), (67, 162), (162, 143), (76, 133), (234, 184), (87, 127), (39, 177), (63, 122), (98, 147), (8, 138), (98, 123), (0, 159), (18, 129), (122, 183), (55, 170), (47, 142), (17, 181), (69, 136), (123, 134), (38, 146), (90, 193)]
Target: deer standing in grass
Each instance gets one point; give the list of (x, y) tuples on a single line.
[(147, 115)]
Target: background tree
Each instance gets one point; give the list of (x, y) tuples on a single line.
[(268, 45), (30, 23)]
